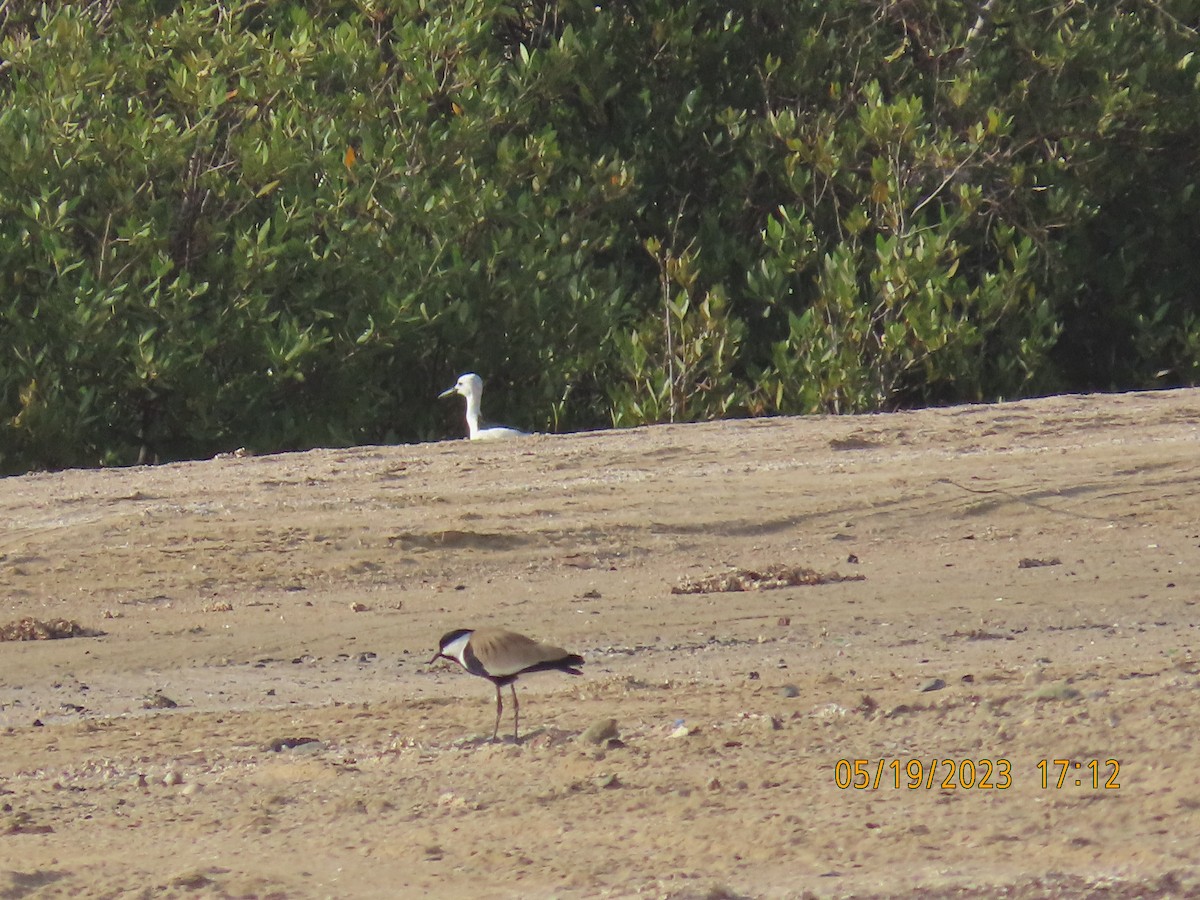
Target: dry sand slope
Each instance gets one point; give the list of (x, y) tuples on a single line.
[(1022, 582)]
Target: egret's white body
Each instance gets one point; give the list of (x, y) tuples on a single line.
[(471, 387)]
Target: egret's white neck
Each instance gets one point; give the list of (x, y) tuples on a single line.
[(473, 414)]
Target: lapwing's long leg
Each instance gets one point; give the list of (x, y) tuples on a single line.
[(499, 709), (516, 713)]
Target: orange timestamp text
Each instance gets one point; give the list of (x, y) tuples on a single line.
[(920, 774), (939, 773), (1060, 773)]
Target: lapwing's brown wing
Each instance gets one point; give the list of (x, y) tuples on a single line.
[(505, 653)]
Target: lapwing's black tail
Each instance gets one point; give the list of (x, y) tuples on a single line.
[(568, 664)]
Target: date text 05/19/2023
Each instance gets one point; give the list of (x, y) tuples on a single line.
[(947, 774)]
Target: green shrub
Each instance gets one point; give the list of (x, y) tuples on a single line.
[(283, 225)]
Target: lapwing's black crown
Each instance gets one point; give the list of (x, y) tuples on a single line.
[(450, 636)]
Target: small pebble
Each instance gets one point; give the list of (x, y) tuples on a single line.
[(600, 731), (933, 684), (789, 690), (305, 744), (1059, 691)]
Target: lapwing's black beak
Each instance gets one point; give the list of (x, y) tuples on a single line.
[(436, 657)]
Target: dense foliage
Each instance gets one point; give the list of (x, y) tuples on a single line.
[(280, 225)]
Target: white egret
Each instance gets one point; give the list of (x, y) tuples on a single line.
[(471, 387)]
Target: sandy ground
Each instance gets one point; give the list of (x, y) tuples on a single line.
[(1021, 587)]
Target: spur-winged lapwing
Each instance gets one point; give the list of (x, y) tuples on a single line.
[(471, 387), (501, 657)]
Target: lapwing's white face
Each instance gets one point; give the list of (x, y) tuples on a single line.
[(456, 648)]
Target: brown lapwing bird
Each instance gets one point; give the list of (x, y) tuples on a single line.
[(502, 657)]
